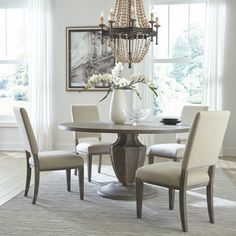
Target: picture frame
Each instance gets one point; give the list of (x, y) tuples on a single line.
[(85, 56)]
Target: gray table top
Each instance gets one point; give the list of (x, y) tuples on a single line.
[(106, 127)]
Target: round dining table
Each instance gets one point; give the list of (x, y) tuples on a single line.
[(127, 153)]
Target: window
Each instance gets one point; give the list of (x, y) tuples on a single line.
[(13, 60), (178, 59)]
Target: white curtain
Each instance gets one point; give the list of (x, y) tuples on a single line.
[(214, 53), (40, 70)]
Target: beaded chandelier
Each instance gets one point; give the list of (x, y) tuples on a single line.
[(129, 31)]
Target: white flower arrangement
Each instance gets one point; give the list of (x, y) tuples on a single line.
[(115, 81)]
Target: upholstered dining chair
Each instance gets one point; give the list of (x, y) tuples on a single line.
[(84, 145), (175, 151), (45, 161), (197, 168)]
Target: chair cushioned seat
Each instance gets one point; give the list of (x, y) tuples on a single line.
[(169, 172), (53, 160), (171, 150), (93, 147)]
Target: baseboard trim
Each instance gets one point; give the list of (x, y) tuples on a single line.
[(229, 151), (4, 146), (10, 124), (63, 146)]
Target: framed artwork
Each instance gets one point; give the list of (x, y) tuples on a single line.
[(85, 56)]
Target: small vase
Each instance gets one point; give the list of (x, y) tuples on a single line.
[(118, 106)]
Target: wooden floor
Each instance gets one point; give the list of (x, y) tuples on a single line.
[(13, 170), (228, 164), (12, 175)]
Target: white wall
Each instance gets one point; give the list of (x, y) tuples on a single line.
[(86, 13), (229, 86), (9, 137), (72, 13)]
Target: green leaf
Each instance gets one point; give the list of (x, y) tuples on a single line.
[(108, 91)]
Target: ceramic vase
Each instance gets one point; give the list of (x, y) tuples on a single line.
[(118, 106)]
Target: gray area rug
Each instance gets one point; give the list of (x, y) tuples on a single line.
[(59, 212)]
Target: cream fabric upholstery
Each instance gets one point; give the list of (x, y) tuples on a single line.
[(187, 116), (45, 161), (205, 139), (88, 113), (202, 150), (197, 168), (85, 113), (174, 150), (93, 147), (168, 173), (26, 131), (56, 160), (82, 113)]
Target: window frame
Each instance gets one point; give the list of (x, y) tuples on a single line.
[(9, 120), (180, 60), (174, 2)]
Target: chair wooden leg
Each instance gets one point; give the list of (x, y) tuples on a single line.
[(182, 208), (99, 163), (28, 174), (150, 159), (209, 192), (68, 179), (139, 197), (36, 184), (81, 182), (28, 178), (89, 167), (171, 198)]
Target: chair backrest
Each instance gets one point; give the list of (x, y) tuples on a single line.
[(187, 116), (26, 131), (189, 112), (85, 113), (205, 139)]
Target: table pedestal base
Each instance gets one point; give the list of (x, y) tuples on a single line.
[(118, 191)]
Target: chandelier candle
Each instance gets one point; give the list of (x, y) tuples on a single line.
[(102, 18)]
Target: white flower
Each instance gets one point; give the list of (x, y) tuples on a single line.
[(115, 81), (117, 69)]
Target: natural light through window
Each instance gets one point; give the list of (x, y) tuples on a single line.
[(13, 60), (178, 59)]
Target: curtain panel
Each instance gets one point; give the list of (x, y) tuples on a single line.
[(214, 53), (40, 70)]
